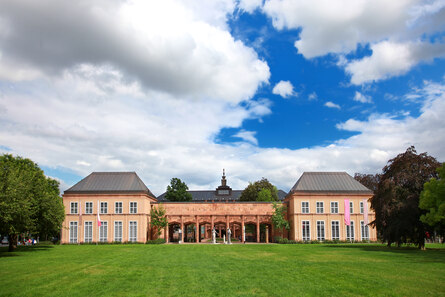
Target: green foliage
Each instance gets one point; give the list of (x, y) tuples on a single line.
[(158, 218), (396, 200), (156, 241), (278, 217), (29, 201), (177, 191), (261, 190), (432, 199)]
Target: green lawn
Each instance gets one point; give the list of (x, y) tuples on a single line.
[(222, 270)]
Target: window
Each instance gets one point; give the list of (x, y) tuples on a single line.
[(334, 207), (335, 230), (118, 207), (306, 231), (305, 207), (351, 207), (365, 230), (361, 206), (88, 231), (133, 231), (133, 207), (73, 231), (350, 232), (88, 207), (117, 230), (320, 230), (104, 207), (320, 207), (103, 232), (74, 207)]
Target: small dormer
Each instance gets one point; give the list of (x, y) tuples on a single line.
[(223, 189)]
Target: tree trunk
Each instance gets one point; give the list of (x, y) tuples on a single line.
[(12, 242)]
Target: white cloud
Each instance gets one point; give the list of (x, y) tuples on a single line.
[(250, 5), (284, 88), (248, 136), (362, 98), (332, 105), (313, 96), (340, 26)]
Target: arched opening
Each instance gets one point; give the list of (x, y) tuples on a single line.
[(189, 232), (265, 232), (173, 232), (250, 232)]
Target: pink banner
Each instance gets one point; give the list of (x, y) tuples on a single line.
[(98, 216), (347, 213), (365, 211)]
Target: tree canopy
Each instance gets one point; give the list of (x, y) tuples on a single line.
[(371, 181), (158, 218), (396, 199), (278, 217), (432, 199), (29, 201), (177, 191), (261, 190)]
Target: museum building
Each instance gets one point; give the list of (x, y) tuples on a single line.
[(115, 207)]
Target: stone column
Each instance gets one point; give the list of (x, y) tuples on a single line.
[(242, 230), (182, 229), (219, 227), (197, 229), (257, 228), (267, 233), (166, 233)]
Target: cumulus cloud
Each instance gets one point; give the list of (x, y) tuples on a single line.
[(403, 36), (284, 88), (248, 136), (331, 104), (362, 98), (250, 5)]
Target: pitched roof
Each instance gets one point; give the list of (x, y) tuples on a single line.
[(210, 195), (339, 182), (110, 182)]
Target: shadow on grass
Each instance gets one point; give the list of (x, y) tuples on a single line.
[(415, 254), (23, 249)]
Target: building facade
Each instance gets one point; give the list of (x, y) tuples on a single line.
[(121, 202)]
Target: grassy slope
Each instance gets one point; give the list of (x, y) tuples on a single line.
[(221, 270)]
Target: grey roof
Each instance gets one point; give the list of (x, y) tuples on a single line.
[(110, 182), (339, 182), (210, 195)]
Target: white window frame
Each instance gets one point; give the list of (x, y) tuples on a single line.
[(74, 208), (364, 231), (320, 206), (361, 207), (118, 209), (103, 207), (118, 238), (350, 232), (337, 230), (305, 209), (351, 207), (88, 210), (306, 237), (86, 232), (133, 237), (74, 232), (334, 207), (103, 232), (134, 208), (321, 237)]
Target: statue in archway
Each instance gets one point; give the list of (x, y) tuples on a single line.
[(214, 235), (229, 236)]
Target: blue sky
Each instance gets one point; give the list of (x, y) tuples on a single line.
[(185, 88)]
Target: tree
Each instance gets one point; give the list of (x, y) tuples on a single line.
[(432, 199), (177, 191), (278, 216), (370, 181), (29, 201), (158, 218), (261, 190), (396, 200)]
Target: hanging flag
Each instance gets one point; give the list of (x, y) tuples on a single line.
[(365, 211), (98, 216), (347, 213)]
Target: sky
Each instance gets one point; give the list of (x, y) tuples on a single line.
[(186, 88)]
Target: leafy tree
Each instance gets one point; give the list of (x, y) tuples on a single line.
[(370, 181), (177, 191), (432, 199), (278, 217), (396, 200), (261, 190), (158, 218), (29, 201)]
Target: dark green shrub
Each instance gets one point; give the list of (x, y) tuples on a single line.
[(156, 241)]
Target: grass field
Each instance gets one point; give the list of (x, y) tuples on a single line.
[(222, 270)]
